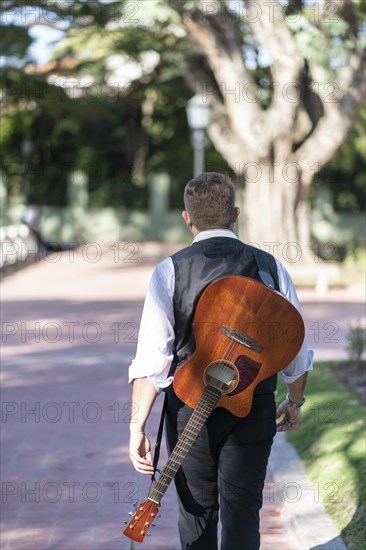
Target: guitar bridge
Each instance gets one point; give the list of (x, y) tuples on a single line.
[(242, 338)]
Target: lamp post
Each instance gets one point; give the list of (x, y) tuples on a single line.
[(26, 148), (198, 114)]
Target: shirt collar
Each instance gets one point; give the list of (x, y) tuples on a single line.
[(209, 233)]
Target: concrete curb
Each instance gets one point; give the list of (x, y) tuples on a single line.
[(308, 519)]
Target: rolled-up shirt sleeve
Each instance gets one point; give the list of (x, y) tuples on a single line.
[(303, 361), (154, 353)]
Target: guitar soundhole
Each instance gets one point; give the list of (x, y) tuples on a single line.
[(222, 375)]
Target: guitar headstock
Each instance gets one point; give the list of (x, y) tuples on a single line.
[(141, 520)]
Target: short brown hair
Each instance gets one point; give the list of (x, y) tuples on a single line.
[(209, 200)]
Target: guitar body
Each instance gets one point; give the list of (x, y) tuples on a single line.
[(243, 325)]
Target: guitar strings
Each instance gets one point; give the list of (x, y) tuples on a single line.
[(228, 356), (169, 471), (191, 431), (229, 353)]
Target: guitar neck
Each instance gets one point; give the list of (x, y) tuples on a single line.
[(199, 416)]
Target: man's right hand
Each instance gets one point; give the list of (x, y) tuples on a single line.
[(140, 453)]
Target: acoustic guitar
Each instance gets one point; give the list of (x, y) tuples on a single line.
[(244, 333)]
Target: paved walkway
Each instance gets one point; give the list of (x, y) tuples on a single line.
[(69, 330)]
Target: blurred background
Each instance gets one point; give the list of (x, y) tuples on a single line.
[(107, 109), (94, 128)]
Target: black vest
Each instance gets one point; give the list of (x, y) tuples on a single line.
[(198, 265)]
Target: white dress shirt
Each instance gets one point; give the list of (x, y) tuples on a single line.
[(154, 352)]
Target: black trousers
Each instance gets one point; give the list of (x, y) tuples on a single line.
[(224, 473)]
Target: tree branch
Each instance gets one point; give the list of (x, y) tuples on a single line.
[(220, 132), (339, 113), (218, 39), (344, 9), (275, 36)]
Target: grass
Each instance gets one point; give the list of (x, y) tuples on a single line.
[(331, 443)]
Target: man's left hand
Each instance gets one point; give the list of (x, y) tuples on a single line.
[(290, 417)]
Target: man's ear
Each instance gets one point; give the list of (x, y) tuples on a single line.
[(187, 219), (236, 213)]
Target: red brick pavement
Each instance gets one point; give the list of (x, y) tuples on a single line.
[(67, 482)]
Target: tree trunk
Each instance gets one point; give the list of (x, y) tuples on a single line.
[(274, 216)]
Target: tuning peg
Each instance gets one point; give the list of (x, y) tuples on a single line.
[(152, 525), (130, 513), (148, 534), (158, 516), (125, 522)]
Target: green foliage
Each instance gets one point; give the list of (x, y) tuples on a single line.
[(346, 174), (15, 41), (101, 132), (104, 131), (361, 9), (330, 441)]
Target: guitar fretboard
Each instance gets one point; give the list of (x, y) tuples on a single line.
[(199, 416)]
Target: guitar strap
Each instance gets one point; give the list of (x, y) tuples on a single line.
[(267, 268), (265, 262), (158, 437)]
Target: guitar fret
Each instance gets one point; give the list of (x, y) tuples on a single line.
[(204, 408)]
